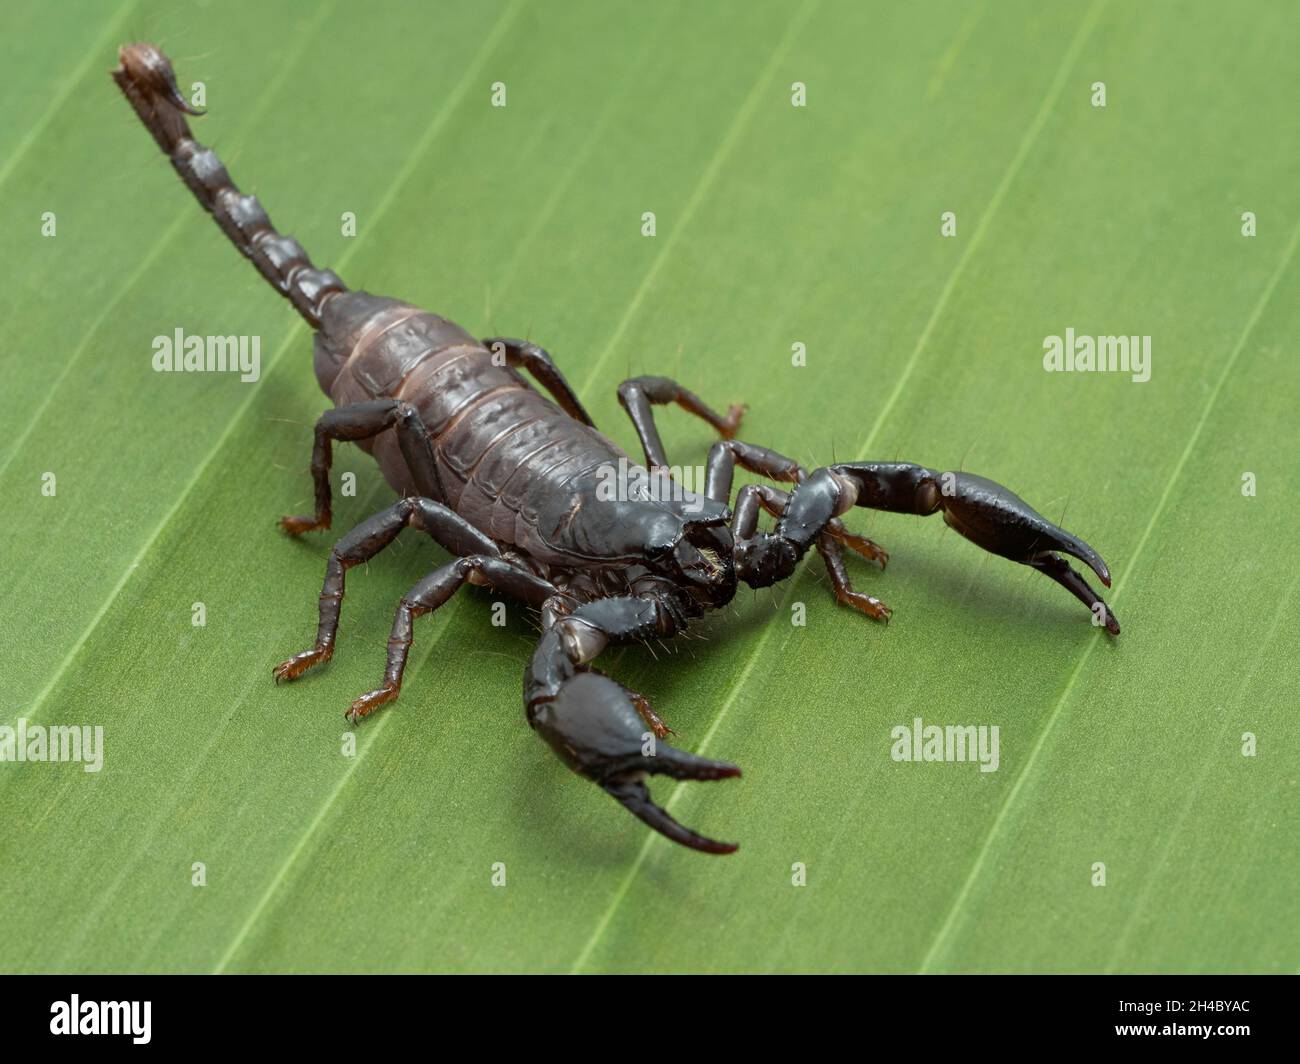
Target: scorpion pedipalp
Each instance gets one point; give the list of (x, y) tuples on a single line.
[(985, 512), (598, 731), (1000, 521)]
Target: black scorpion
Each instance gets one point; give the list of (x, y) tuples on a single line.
[(509, 482)]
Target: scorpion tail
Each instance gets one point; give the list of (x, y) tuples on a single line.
[(145, 76)]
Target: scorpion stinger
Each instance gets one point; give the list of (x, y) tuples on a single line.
[(147, 80)]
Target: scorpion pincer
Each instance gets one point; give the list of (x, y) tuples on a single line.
[(506, 479)]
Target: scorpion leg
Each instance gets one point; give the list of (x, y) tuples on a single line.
[(647, 713), (594, 724), (362, 421), (540, 364), (451, 531), (430, 593), (640, 394), (983, 511)]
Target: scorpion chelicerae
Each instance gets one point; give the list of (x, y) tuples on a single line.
[(510, 483)]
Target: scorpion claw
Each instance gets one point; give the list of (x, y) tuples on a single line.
[(680, 765), (634, 796), (596, 729), (1003, 523)]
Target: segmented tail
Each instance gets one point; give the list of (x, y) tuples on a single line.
[(146, 78)]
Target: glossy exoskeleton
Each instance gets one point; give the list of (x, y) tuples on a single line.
[(515, 484)]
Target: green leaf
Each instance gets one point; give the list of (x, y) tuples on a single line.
[(775, 225)]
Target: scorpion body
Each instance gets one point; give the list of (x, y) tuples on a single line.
[(508, 480)]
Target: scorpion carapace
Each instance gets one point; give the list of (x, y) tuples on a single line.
[(514, 484)]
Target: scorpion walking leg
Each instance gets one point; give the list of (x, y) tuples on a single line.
[(594, 724), (647, 713), (543, 368), (983, 511), (640, 394), (430, 593), (362, 421), (451, 531)]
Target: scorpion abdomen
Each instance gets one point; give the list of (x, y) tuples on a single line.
[(504, 451), (368, 345)]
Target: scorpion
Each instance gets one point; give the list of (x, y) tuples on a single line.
[(506, 479)]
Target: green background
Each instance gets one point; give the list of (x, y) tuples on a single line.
[(775, 225)]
